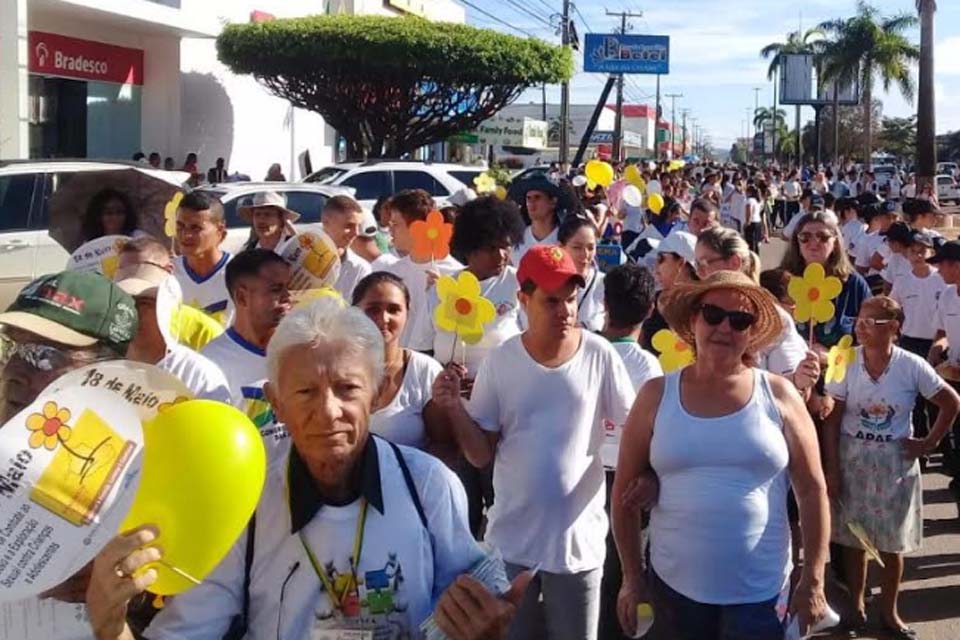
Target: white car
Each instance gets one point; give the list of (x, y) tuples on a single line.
[(374, 179), (947, 190), (26, 249), (947, 168)]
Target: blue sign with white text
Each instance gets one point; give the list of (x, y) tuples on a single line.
[(616, 53)]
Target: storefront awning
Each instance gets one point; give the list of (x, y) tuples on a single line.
[(143, 16)]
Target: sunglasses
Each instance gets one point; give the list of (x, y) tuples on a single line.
[(714, 316), (821, 236)]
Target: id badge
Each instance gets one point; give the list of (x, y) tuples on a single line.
[(340, 634)]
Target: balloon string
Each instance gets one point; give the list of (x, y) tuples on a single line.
[(180, 572)]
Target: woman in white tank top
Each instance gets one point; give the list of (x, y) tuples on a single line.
[(725, 440)]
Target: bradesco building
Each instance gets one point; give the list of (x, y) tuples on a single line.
[(102, 77)]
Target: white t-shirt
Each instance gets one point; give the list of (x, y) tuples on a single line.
[(948, 321), (870, 243), (403, 567), (738, 207), (753, 211), (852, 231), (918, 297), (548, 475), (208, 293), (245, 366), (530, 241), (880, 410), (910, 190), (416, 335), (353, 269), (791, 189), (401, 421), (591, 311), (784, 354), (641, 366), (795, 221), (502, 292), (895, 186), (204, 378), (895, 265), (384, 261)]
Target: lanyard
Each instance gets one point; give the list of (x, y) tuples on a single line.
[(586, 291), (335, 598)]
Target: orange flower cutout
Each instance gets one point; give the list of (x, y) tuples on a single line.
[(431, 238), (49, 427)]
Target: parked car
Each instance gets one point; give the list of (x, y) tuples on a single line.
[(305, 198), (26, 186), (947, 168), (373, 179), (947, 190)]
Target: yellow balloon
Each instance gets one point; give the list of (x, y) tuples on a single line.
[(600, 172), (655, 202), (632, 175), (204, 467)]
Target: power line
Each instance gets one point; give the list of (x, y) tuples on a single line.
[(496, 19), (536, 16), (546, 5), (582, 19)]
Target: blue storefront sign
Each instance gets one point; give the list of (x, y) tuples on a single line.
[(616, 53)]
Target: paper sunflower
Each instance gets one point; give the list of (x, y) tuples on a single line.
[(463, 310), (49, 427), (839, 357), (484, 183), (431, 238), (674, 352), (813, 294), (170, 214)]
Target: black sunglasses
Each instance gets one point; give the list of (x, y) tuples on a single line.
[(714, 315)]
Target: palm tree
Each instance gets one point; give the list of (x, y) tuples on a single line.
[(926, 112), (767, 114), (796, 43), (867, 47)]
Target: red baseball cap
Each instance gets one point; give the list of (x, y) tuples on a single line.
[(549, 267)]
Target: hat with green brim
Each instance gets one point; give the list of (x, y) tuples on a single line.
[(77, 309)]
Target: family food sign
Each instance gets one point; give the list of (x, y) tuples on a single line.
[(617, 53)]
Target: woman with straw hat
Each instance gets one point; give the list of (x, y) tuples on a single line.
[(725, 441), (271, 222)]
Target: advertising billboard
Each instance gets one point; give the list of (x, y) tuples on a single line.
[(618, 53), (800, 84)]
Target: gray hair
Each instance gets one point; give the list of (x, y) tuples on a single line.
[(323, 321)]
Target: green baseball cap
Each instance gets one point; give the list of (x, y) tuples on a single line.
[(78, 309)]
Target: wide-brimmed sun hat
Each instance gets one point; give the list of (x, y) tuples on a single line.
[(266, 199), (680, 304)]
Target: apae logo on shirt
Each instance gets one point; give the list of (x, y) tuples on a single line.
[(875, 419)]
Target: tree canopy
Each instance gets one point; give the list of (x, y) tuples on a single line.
[(391, 85)]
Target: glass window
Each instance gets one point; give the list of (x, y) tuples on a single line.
[(325, 175), (466, 177), (370, 185), (418, 180), (308, 204), (16, 196)]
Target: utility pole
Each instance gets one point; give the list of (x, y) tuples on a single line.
[(673, 120), (656, 124), (565, 93), (926, 111), (683, 140), (617, 155)]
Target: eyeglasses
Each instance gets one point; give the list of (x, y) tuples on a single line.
[(714, 316), (42, 357), (821, 236), (874, 322)]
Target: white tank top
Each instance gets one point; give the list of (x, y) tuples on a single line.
[(719, 533)]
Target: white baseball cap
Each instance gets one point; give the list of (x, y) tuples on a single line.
[(681, 243)]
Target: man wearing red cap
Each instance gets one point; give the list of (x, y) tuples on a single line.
[(537, 412)]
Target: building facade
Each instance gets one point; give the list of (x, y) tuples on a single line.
[(109, 78)]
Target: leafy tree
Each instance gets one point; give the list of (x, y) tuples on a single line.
[(948, 146), (865, 48), (899, 136), (851, 132), (764, 115), (391, 85)]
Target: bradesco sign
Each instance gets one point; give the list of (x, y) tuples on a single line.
[(54, 55)]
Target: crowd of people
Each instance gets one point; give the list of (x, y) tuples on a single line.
[(718, 492)]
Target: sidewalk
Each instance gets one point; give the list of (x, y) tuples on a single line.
[(930, 595)]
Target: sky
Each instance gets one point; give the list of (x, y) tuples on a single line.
[(715, 60)]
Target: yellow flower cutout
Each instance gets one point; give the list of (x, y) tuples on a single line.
[(170, 214), (839, 357), (675, 353), (462, 309), (49, 427), (813, 294), (484, 183)]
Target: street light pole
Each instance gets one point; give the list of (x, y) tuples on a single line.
[(926, 109), (565, 93), (683, 140), (617, 154)]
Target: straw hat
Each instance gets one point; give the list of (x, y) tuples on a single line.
[(266, 199), (679, 305)]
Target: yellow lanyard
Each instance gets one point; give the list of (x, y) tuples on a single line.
[(335, 598)]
